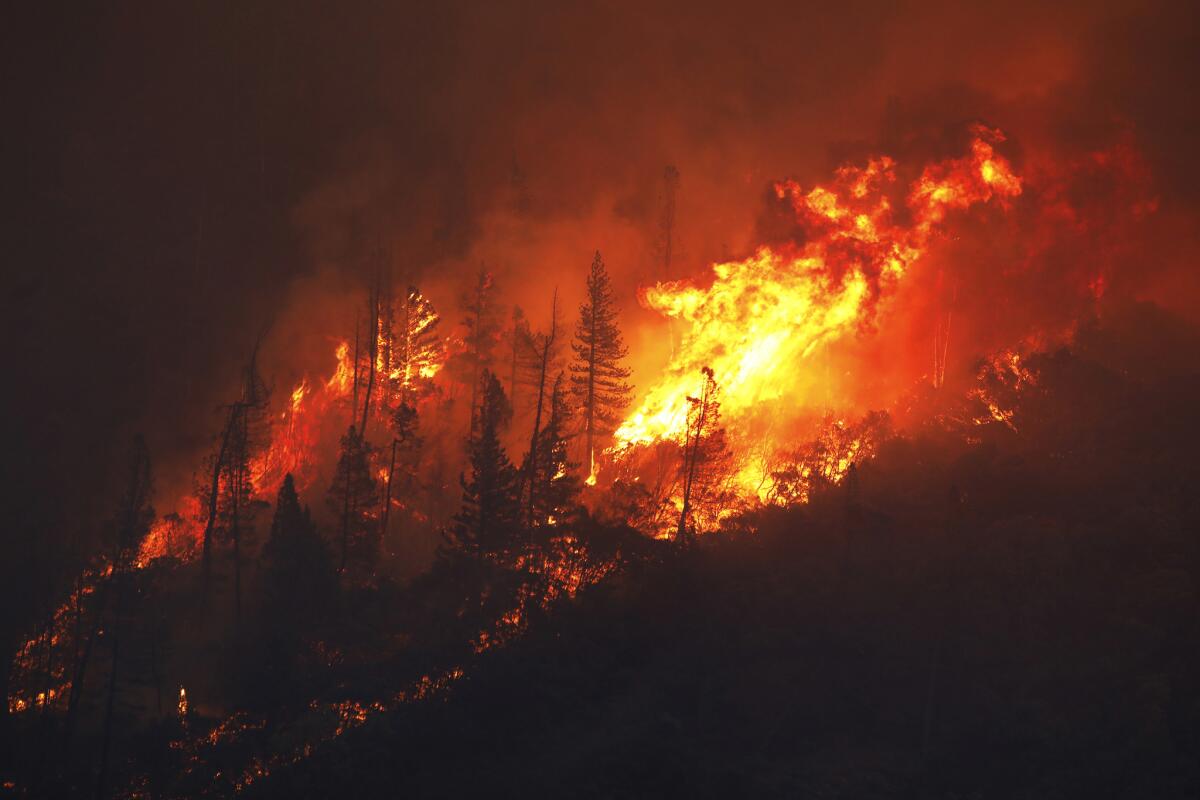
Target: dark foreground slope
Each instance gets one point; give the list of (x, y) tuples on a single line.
[(1013, 614)]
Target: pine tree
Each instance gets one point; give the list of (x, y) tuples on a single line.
[(402, 465), (353, 497), (518, 335), (250, 434), (298, 573), (554, 486), (416, 351), (229, 494), (133, 519), (372, 350), (706, 458), (542, 350), (489, 522), (598, 378), (482, 323)]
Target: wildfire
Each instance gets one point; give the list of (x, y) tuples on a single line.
[(761, 320)]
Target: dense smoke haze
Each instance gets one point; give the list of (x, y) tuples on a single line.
[(190, 176), (196, 184)]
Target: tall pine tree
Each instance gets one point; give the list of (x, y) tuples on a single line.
[(402, 464), (298, 574), (416, 351), (481, 319), (554, 486), (598, 377), (490, 520), (353, 497)]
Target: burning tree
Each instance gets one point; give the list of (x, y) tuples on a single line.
[(598, 377), (228, 496), (553, 487), (706, 459), (542, 353), (416, 351)]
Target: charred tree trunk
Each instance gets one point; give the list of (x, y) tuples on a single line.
[(691, 456), (387, 494), (543, 369), (214, 495), (590, 403)]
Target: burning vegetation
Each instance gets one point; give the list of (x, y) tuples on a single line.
[(458, 492)]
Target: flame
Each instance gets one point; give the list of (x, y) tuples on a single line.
[(343, 378), (761, 320)]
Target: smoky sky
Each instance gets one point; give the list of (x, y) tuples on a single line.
[(189, 176)]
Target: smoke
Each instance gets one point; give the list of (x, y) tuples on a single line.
[(195, 176)]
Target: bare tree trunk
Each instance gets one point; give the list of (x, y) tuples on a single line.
[(591, 397), (214, 496), (690, 460), (387, 495), (544, 359)]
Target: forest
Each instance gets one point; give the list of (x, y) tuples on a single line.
[(561, 401)]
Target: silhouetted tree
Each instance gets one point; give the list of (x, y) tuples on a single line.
[(132, 522), (665, 243), (482, 322), (518, 335), (598, 378), (554, 486), (229, 492), (543, 351), (298, 574), (706, 455), (372, 349), (402, 465), (489, 522), (353, 497), (251, 432)]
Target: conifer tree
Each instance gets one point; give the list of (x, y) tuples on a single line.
[(298, 573), (598, 377), (543, 350), (416, 351), (402, 465), (489, 522), (482, 323), (706, 457), (353, 497), (554, 486), (518, 335), (132, 522)]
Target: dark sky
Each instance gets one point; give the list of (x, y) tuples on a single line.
[(186, 175)]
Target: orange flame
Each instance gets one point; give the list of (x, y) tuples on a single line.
[(761, 320)]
